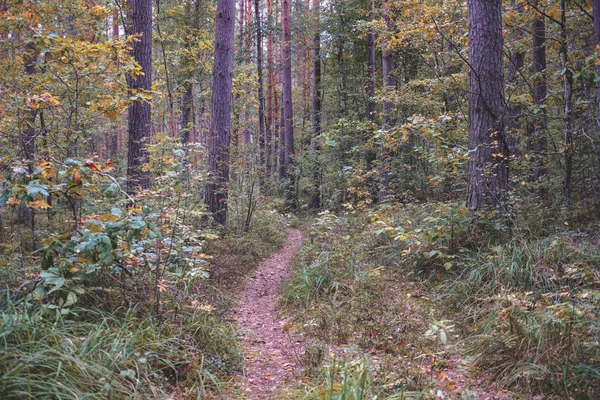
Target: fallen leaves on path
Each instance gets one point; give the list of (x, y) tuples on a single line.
[(271, 352)]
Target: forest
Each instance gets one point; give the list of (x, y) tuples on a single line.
[(300, 199)]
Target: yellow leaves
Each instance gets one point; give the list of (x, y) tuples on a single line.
[(287, 327), (96, 228), (13, 201), (203, 256), (47, 171), (77, 178), (43, 100), (99, 11), (39, 205), (111, 115), (92, 166)]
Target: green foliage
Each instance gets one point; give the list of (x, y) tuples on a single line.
[(428, 237), (348, 381), (109, 355), (533, 307)]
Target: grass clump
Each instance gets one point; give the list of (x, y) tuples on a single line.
[(431, 300), (533, 308), (104, 355)]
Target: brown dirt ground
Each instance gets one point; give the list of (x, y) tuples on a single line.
[(271, 353)]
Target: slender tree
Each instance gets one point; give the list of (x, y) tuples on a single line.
[(216, 191), (187, 99), (568, 105), (261, 93), (488, 165), (370, 154), (515, 66), (388, 64), (315, 201), (539, 140), (139, 118), (270, 82), (288, 113), (28, 131), (371, 70), (596, 9)]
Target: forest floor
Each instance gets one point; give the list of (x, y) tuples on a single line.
[(271, 353), (274, 352)]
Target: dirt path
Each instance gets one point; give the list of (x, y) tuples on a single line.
[(271, 353)]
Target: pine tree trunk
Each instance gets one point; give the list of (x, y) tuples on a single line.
[(261, 94), (539, 140), (596, 5), (515, 66), (188, 123), (370, 155), (286, 82), (568, 105), (315, 200), (389, 83), (216, 191), (281, 149), (270, 83), (139, 118), (488, 166)]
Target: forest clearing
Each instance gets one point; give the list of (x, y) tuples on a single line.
[(300, 199)]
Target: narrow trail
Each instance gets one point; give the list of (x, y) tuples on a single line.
[(271, 352)]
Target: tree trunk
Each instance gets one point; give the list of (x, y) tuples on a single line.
[(596, 5), (370, 155), (389, 83), (286, 82), (515, 66), (216, 191), (186, 132), (568, 104), (315, 200), (261, 95), (488, 164), (281, 150), (270, 83), (139, 121), (539, 140), (28, 133)]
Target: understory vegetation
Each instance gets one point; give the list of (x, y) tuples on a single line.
[(126, 299), (441, 158), (428, 303)]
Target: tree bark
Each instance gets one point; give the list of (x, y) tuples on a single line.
[(539, 140), (139, 117), (286, 82), (596, 6), (315, 201), (370, 155), (515, 112), (568, 106), (261, 94), (270, 83), (216, 191), (488, 164), (187, 132), (281, 149), (29, 133), (389, 83)]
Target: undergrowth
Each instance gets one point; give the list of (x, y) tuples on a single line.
[(108, 296), (116, 355), (431, 301)]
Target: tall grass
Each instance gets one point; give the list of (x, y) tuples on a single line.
[(105, 356), (532, 307)]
